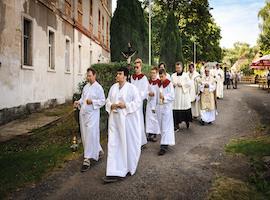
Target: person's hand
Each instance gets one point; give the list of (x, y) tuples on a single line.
[(151, 94), (174, 85), (76, 104), (121, 105), (114, 106), (161, 96), (89, 101)]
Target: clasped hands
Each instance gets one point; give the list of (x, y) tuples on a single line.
[(120, 105)]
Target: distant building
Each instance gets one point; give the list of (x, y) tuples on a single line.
[(46, 47)]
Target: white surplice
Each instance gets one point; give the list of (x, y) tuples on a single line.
[(182, 97), (220, 80), (165, 115), (208, 108), (194, 91), (89, 119), (151, 118), (142, 86), (124, 131)]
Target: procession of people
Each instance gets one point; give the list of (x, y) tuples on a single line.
[(184, 96)]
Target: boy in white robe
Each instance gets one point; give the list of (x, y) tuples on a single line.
[(165, 114), (208, 100), (124, 130), (151, 118), (91, 101), (140, 81), (194, 90), (162, 65)]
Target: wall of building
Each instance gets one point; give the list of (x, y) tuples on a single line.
[(25, 89)]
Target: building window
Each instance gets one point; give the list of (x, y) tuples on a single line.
[(91, 16), (99, 25), (51, 50), (27, 42), (80, 59), (107, 34), (80, 11), (67, 55)]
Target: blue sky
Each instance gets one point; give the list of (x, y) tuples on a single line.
[(238, 20)]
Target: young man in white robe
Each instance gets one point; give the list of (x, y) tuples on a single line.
[(165, 114), (91, 101), (124, 129), (220, 81), (140, 81), (208, 99), (162, 65), (151, 118), (194, 77), (182, 102)]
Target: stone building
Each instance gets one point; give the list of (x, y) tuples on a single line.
[(45, 48)]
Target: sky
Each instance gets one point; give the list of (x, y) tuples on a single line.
[(238, 20)]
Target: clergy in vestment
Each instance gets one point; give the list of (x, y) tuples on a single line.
[(141, 82), (91, 101), (124, 129), (165, 114), (208, 101), (151, 118), (182, 102), (220, 81), (194, 77)]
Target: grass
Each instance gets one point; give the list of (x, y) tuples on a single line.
[(27, 159), (225, 188), (257, 187)]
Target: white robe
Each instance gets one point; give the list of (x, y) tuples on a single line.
[(220, 80), (89, 119), (151, 118), (182, 96), (124, 135), (142, 86), (208, 116), (194, 91), (165, 115)]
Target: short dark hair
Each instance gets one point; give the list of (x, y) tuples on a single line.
[(179, 63), (191, 65), (162, 71), (154, 68), (162, 63), (123, 69), (90, 69)]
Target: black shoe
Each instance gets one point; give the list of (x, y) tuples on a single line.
[(176, 129), (187, 124), (161, 152), (112, 179), (210, 123), (202, 122), (143, 147), (86, 165), (154, 138)]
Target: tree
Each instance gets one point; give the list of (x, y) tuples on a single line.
[(128, 25), (264, 38), (170, 43)]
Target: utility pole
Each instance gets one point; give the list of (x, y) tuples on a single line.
[(150, 56)]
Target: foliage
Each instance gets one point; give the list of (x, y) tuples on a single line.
[(129, 25), (264, 38), (171, 44), (196, 24)]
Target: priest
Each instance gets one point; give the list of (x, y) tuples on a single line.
[(124, 130), (182, 102), (220, 81), (208, 101), (91, 101), (194, 77)]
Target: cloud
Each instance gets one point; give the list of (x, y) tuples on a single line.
[(238, 20)]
